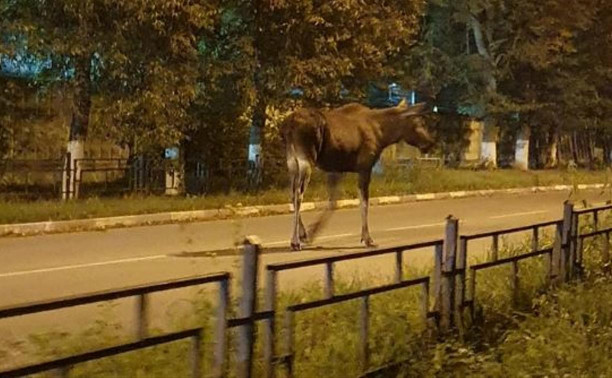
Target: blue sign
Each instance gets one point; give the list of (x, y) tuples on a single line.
[(171, 153)]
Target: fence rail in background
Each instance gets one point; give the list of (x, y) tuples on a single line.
[(53, 178), (448, 291), (31, 178)]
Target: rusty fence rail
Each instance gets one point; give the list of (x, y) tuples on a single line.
[(514, 276), (364, 317), (272, 271), (448, 291), (576, 240), (62, 365), (495, 235)]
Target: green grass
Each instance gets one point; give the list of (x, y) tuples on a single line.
[(393, 182)]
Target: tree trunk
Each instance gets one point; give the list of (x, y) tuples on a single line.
[(488, 155), (258, 123), (488, 152), (591, 150), (574, 147), (607, 150), (257, 138), (552, 147), (521, 152), (79, 127)]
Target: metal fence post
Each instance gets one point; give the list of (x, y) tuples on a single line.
[(364, 326), (142, 309), (575, 268), (438, 256), (473, 295), (66, 184), (270, 303), (556, 265), (220, 330), (514, 283), (425, 302), (566, 236), (289, 342), (535, 239), (448, 272), (495, 248), (329, 280), (78, 177), (196, 355), (399, 266), (548, 269), (606, 253), (246, 333), (461, 278)]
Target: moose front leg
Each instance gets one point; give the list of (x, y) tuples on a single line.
[(364, 196), (333, 179)]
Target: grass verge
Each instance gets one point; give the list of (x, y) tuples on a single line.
[(566, 332), (392, 182)]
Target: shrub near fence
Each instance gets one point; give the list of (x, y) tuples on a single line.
[(447, 287)]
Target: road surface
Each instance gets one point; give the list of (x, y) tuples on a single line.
[(49, 266)]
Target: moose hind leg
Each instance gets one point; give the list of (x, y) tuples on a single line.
[(303, 236), (302, 189), (299, 183), (364, 196)]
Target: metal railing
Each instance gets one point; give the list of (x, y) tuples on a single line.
[(142, 308), (495, 235), (330, 297), (63, 365), (364, 316), (449, 294)]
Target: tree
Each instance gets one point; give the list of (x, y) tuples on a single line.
[(324, 48), (509, 60), (137, 60)]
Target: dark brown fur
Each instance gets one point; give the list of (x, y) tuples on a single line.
[(346, 139)]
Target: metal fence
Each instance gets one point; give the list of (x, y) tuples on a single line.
[(32, 179), (63, 365), (81, 178), (446, 286)]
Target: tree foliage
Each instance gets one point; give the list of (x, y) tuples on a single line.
[(153, 73)]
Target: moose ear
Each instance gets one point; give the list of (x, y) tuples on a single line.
[(420, 108)]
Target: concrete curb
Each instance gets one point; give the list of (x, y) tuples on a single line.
[(98, 224)]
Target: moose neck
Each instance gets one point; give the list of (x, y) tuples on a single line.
[(392, 127)]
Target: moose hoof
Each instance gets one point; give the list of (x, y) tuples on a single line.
[(369, 242), (296, 246)]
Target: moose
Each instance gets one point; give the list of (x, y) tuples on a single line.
[(349, 138)]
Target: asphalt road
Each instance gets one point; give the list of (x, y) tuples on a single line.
[(50, 266)]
